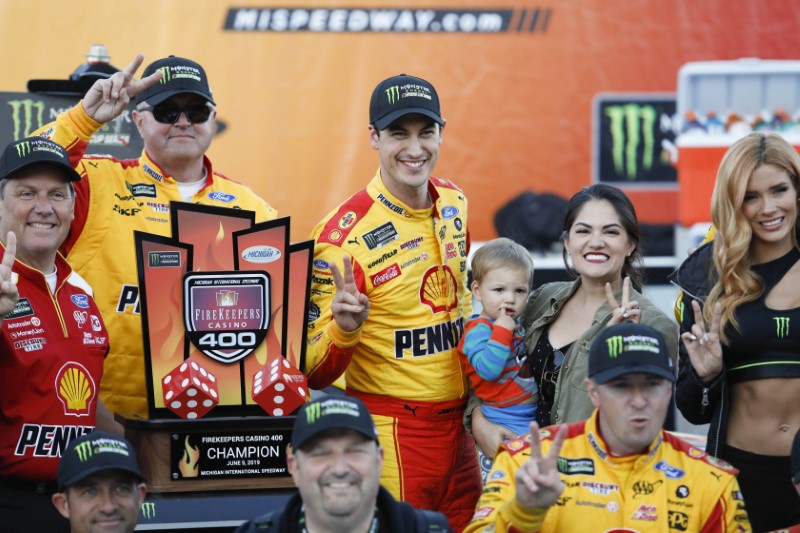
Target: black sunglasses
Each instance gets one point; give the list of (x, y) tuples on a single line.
[(167, 113), (547, 385)]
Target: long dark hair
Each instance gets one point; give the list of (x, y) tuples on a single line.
[(632, 268)]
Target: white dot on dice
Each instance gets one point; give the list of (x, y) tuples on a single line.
[(279, 387), (191, 392)]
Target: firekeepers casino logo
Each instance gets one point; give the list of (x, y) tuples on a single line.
[(224, 313), (438, 289), (75, 389)]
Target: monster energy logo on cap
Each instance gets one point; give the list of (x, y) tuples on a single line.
[(165, 74), (393, 94), (84, 451), (614, 346), (312, 413), (23, 148), (781, 326)]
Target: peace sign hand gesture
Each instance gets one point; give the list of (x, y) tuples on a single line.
[(537, 480), (108, 98), (703, 347), (9, 295), (350, 307), (626, 311)]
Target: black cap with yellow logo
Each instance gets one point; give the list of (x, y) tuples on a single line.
[(627, 348), (332, 412), (33, 150), (93, 453)]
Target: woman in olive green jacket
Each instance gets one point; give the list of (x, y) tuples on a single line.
[(601, 249)]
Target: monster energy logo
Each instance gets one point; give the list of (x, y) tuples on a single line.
[(166, 75), (26, 115), (23, 148), (148, 510), (781, 326), (631, 124), (614, 346), (84, 451), (393, 94), (581, 466), (313, 412)]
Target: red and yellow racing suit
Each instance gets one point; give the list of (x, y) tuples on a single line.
[(672, 487), (52, 347), (113, 199), (403, 361)]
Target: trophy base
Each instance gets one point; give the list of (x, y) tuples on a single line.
[(236, 453)]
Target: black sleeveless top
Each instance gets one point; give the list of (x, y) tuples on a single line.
[(767, 344)]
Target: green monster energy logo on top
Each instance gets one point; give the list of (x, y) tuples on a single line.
[(631, 124), (614, 346), (313, 412), (26, 115), (781, 326), (393, 94), (165, 75), (23, 148), (84, 451), (148, 510)]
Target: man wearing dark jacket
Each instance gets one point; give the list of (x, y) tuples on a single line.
[(335, 460)]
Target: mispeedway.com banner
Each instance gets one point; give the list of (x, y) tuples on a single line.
[(345, 20)]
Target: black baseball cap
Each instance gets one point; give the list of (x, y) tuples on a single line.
[(96, 452), (179, 75), (403, 95), (31, 150), (796, 458), (627, 348), (332, 412)]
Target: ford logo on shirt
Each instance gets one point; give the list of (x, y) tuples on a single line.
[(669, 470), (320, 264), (261, 254), (81, 300), (449, 212), (221, 197)]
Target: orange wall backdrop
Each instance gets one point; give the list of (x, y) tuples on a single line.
[(518, 102)]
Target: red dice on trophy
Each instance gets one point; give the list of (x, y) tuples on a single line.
[(190, 391), (278, 387)]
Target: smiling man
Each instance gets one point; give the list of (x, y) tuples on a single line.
[(335, 460), (52, 337), (100, 486), (393, 321), (618, 469), (175, 115)]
